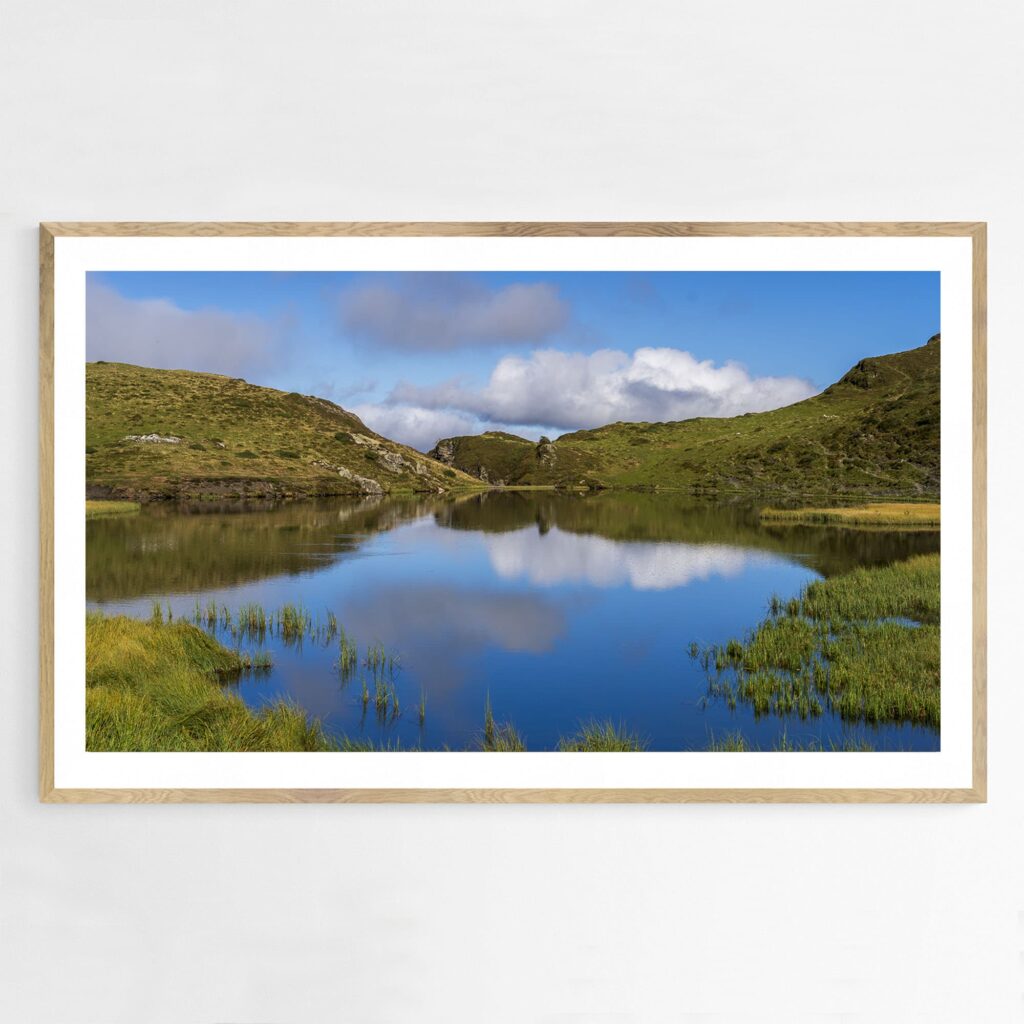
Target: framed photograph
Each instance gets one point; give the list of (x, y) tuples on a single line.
[(512, 512)]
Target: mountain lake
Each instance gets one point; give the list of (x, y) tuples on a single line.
[(557, 609)]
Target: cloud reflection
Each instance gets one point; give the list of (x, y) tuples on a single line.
[(435, 627), (557, 557)]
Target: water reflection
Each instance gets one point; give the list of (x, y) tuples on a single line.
[(181, 549), (546, 559), (440, 629), (556, 608), (463, 619)]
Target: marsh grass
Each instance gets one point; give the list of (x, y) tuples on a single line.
[(598, 737), (864, 645), (907, 589), (737, 743), (731, 742), (911, 515), (256, 661), (499, 737), (154, 686), (348, 654), (381, 696), (252, 621), (292, 623), (96, 509), (379, 660)]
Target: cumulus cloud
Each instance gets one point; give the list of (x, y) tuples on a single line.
[(158, 333), (416, 427), (557, 557), (572, 390), (439, 311)]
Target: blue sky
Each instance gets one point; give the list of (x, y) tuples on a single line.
[(420, 356)]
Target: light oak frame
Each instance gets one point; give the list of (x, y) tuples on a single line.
[(50, 231)]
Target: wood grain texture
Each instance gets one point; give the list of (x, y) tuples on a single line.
[(513, 796), (979, 492), (46, 634), (976, 793), (512, 229)]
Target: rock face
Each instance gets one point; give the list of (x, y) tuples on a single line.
[(496, 481), (546, 451), (153, 439), (443, 451), (363, 484)]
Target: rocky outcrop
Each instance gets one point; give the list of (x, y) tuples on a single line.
[(152, 439), (443, 451), (363, 484), (546, 452)]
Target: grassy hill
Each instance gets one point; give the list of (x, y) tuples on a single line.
[(875, 431), (154, 434)]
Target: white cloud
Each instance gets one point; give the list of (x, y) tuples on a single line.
[(439, 311), (572, 390), (558, 557), (158, 333), (416, 427)]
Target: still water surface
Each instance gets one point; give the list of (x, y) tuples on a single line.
[(561, 608)]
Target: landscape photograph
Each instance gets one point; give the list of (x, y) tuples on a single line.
[(512, 511)]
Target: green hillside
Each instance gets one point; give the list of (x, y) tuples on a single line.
[(154, 434), (875, 431)]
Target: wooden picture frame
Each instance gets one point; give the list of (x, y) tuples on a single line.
[(52, 232)]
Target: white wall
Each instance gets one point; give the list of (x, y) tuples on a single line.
[(524, 109)]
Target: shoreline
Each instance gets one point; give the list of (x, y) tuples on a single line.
[(250, 489)]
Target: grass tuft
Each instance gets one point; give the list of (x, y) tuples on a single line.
[(153, 686), (596, 737), (499, 737)]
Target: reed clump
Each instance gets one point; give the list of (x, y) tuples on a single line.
[(500, 737), (252, 621), (348, 654), (864, 645), (256, 661), (294, 625), (731, 743), (602, 737)]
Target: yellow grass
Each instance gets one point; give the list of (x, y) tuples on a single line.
[(93, 509), (890, 513)]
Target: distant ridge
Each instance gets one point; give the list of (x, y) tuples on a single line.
[(874, 431)]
